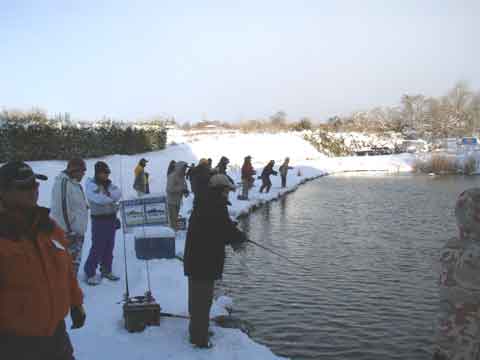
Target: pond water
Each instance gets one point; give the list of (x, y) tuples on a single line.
[(370, 244)]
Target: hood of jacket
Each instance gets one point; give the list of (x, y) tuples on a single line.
[(180, 168)]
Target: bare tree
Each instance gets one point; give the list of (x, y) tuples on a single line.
[(279, 119), (413, 109)]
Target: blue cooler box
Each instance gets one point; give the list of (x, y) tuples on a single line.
[(155, 243)]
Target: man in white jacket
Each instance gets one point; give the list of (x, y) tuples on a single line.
[(69, 207)]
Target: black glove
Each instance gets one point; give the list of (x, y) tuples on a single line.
[(77, 313), (238, 246), (240, 242)]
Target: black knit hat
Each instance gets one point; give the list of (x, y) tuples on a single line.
[(17, 173), (101, 167)]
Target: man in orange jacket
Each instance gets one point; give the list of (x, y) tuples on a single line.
[(38, 286)]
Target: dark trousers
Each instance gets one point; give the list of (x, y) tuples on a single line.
[(246, 185), (55, 347), (173, 211), (266, 184), (200, 297), (103, 242), (284, 180)]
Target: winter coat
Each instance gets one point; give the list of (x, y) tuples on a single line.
[(37, 282), (248, 171), (459, 322), (221, 168), (102, 201), (209, 230), (267, 171), (75, 204), (283, 169), (176, 183), (141, 179)]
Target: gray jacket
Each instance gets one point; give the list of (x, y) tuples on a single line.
[(176, 183), (100, 202), (75, 204)]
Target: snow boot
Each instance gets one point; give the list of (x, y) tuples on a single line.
[(110, 276), (207, 345), (93, 281)]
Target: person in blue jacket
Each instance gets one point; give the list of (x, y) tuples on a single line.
[(103, 197)]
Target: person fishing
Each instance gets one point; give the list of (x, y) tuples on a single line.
[(210, 229), (265, 176)]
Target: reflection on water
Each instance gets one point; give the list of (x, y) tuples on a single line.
[(370, 244)]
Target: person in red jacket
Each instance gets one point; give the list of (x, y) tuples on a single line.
[(248, 179), (38, 286)]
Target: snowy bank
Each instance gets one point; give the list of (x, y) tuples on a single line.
[(104, 335)]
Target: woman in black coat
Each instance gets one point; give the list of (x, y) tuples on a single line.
[(267, 171), (210, 229)]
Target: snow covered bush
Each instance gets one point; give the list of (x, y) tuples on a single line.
[(50, 140), (327, 143)]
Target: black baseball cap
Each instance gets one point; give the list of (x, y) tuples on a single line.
[(17, 173)]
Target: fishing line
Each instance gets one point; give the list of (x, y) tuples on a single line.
[(278, 254)]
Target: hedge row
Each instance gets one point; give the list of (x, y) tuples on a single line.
[(46, 142)]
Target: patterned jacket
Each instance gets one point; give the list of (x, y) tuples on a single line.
[(458, 335)]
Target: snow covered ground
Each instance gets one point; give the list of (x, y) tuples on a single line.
[(103, 335)]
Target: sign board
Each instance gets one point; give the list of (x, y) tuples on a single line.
[(146, 211), (469, 141)]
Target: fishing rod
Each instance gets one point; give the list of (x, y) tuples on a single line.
[(276, 253), (127, 290), (224, 321)]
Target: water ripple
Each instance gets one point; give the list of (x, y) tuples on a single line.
[(370, 244)]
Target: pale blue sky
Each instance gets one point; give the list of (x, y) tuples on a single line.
[(231, 60)]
